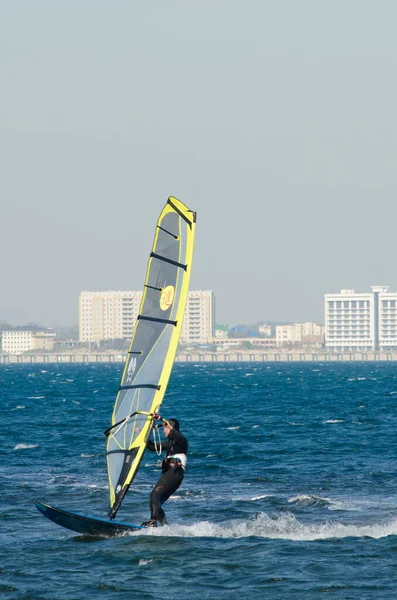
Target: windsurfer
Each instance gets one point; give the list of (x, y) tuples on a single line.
[(173, 469)]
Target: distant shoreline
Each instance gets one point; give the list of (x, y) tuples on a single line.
[(234, 356)]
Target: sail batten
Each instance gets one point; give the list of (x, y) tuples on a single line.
[(153, 347), (152, 386), (168, 260)]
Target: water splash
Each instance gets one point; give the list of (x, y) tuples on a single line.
[(285, 527)]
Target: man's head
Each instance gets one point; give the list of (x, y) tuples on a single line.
[(171, 423)]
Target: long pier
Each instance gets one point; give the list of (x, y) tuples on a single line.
[(218, 357)]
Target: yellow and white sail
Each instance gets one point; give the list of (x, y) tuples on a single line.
[(153, 346)]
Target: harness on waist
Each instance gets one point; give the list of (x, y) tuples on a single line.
[(175, 460)]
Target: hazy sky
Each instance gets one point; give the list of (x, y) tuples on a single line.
[(275, 121)]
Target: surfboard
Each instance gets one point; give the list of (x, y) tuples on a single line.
[(83, 523)]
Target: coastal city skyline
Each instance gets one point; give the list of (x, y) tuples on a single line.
[(354, 321), (217, 321)]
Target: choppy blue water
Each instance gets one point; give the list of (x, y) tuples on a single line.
[(290, 492)]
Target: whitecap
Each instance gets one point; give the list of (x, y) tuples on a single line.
[(233, 428), (25, 446), (285, 526), (334, 421), (144, 562), (18, 407), (87, 455), (36, 397), (309, 500)]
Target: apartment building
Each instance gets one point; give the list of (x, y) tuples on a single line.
[(299, 334), (361, 321), (108, 315), (18, 340), (199, 320)]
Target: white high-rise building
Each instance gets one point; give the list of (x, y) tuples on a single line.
[(112, 315), (361, 321), (199, 320), (107, 315)]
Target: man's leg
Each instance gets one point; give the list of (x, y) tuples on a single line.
[(168, 483), (162, 517)]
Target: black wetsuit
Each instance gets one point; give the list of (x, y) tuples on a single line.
[(172, 473)]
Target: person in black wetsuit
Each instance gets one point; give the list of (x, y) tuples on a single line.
[(173, 469)]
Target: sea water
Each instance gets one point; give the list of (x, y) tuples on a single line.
[(290, 490)]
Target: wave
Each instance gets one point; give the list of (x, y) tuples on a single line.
[(309, 500), (25, 446), (284, 527), (143, 562), (255, 498)]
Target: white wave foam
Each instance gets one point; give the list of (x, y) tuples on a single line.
[(25, 446), (255, 498), (309, 500), (334, 421), (144, 562), (18, 407), (36, 397), (284, 527)]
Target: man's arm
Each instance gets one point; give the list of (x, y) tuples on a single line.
[(150, 445)]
